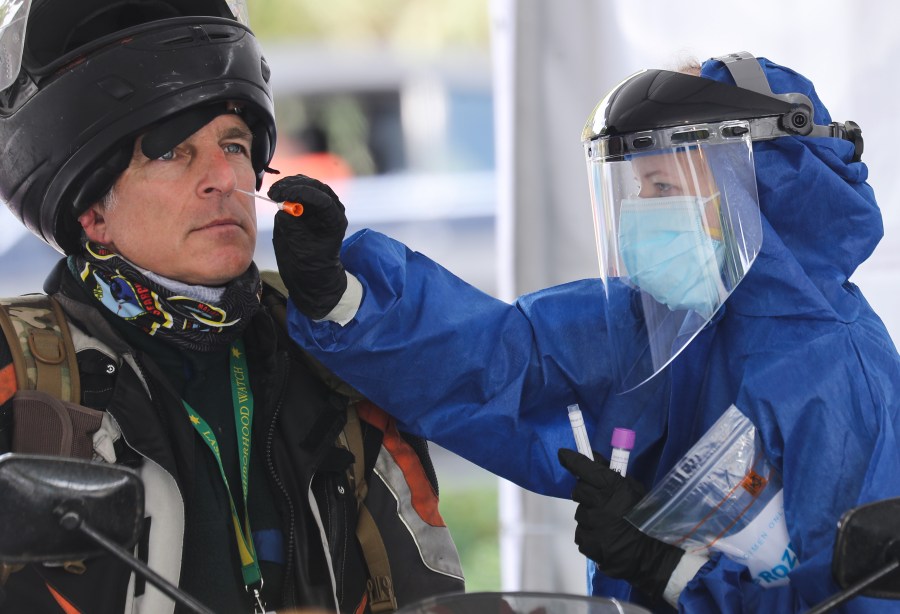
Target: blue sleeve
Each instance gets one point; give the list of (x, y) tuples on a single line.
[(491, 381), (485, 379)]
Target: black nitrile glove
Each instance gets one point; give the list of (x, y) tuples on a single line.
[(307, 248), (603, 535)]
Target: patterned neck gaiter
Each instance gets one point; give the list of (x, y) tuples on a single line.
[(185, 321)]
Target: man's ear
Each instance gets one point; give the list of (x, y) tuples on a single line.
[(93, 221)]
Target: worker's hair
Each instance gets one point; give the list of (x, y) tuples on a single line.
[(689, 66)]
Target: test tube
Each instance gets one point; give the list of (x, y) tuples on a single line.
[(622, 444), (582, 443)]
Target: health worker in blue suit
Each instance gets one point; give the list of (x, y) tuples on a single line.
[(730, 215)]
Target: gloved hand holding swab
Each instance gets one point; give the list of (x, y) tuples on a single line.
[(295, 209)]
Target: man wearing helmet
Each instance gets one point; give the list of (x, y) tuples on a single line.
[(730, 213), (128, 131)]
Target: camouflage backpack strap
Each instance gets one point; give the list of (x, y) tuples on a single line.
[(43, 359), (41, 346), (380, 584)]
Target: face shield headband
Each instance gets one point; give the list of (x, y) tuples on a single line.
[(677, 224)]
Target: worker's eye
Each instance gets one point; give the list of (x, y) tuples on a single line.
[(169, 155), (664, 189)]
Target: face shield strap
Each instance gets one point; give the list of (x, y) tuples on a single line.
[(624, 147), (621, 147), (749, 75), (848, 131)]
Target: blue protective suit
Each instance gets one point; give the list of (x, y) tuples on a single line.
[(796, 347)]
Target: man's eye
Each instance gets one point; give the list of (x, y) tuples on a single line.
[(169, 155), (235, 148)]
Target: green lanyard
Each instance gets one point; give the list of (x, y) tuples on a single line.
[(242, 398)]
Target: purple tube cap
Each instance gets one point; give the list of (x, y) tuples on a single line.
[(623, 438)]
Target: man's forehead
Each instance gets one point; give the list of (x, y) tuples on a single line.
[(232, 125)]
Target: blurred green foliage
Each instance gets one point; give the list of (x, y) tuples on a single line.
[(472, 516), (416, 24)]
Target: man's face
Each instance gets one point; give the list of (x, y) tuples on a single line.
[(178, 215)]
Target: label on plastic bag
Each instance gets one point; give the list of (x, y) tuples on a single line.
[(763, 545)]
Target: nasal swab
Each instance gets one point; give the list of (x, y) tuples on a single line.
[(295, 209)]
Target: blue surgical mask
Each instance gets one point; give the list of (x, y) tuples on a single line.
[(668, 253)]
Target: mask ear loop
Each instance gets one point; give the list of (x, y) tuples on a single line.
[(708, 228), (717, 285)]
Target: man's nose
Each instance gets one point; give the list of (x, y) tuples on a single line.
[(218, 174)]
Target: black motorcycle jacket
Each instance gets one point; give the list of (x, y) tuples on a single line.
[(299, 439)]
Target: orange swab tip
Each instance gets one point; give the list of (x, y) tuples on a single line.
[(295, 209)]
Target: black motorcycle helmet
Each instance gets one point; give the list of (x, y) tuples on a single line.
[(97, 73)]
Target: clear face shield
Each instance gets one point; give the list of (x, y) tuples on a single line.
[(677, 224)]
